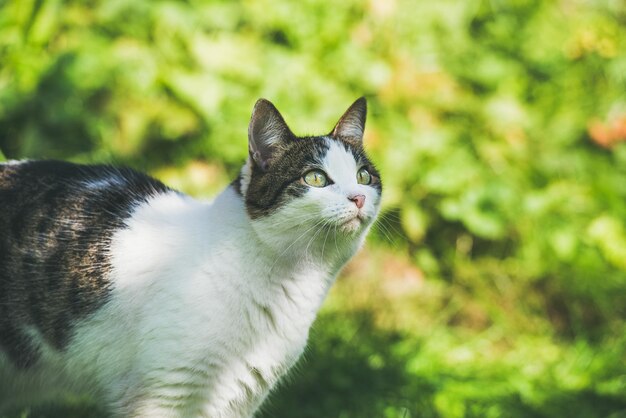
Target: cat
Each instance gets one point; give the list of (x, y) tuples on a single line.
[(114, 286)]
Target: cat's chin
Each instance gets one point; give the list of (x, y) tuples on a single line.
[(351, 226)]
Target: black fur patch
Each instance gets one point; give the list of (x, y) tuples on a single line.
[(271, 189), (236, 184), (56, 223)]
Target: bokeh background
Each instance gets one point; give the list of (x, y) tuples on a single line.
[(494, 284)]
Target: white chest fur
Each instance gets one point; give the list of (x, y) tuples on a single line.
[(205, 318)]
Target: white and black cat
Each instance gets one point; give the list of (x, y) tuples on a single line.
[(115, 286)]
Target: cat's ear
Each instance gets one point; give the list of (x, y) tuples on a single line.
[(266, 131), (352, 123)]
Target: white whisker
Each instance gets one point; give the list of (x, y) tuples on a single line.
[(292, 244)]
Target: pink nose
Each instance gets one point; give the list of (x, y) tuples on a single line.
[(358, 200)]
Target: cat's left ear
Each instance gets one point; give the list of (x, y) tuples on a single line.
[(267, 130), (352, 124)]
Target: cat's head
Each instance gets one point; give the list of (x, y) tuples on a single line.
[(301, 186)]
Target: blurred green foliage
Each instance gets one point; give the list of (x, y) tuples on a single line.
[(500, 130)]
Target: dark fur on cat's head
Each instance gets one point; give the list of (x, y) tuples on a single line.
[(273, 179)]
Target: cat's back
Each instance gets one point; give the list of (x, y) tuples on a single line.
[(70, 179), (56, 224)]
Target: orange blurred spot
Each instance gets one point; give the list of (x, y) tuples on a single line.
[(607, 135)]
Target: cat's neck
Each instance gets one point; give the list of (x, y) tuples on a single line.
[(284, 272)]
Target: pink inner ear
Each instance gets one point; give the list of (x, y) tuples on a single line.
[(352, 123)]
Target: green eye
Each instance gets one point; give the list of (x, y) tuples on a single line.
[(316, 178), (363, 176)]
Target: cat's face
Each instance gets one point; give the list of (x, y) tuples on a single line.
[(299, 187), (342, 189)]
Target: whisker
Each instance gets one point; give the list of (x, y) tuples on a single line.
[(294, 218), (390, 214), (325, 238), (389, 225), (292, 244), (306, 250), (384, 229)]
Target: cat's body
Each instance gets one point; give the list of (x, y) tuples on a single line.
[(159, 305)]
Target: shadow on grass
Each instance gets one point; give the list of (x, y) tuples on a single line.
[(69, 408), (355, 370), (351, 369)]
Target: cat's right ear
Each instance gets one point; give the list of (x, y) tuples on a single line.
[(266, 131)]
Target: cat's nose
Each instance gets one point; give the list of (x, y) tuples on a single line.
[(358, 200)]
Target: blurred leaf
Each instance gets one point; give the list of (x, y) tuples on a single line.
[(414, 221), (609, 235)]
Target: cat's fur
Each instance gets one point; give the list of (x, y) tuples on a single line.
[(158, 305)]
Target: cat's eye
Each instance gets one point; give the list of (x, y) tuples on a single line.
[(316, 178), (363, 176)]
